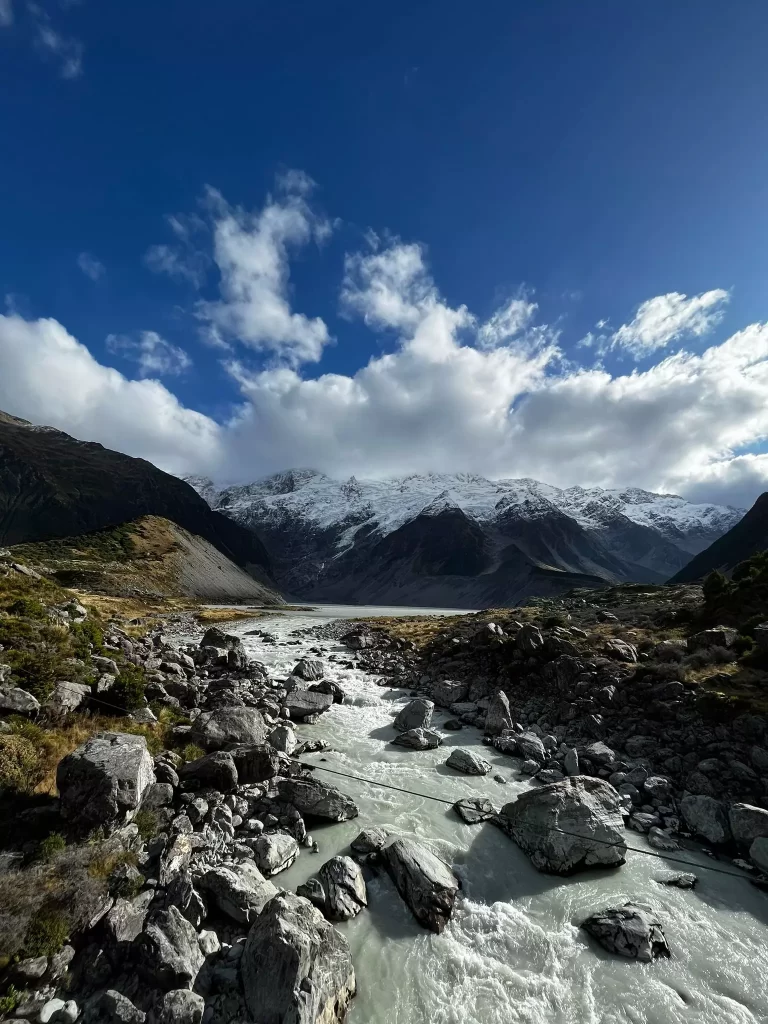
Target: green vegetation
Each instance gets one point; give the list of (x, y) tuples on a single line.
[(20, 768), (741, 601), (9, 1001), (191, 752), (87, 639), (146, 822), (46, 934), (113, 544), (51, 846), (128, 691)]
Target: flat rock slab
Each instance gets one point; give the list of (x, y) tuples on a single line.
[(425, 882), (568, 826), (295, 966), (303, 704), (317, 799), (632, 931)]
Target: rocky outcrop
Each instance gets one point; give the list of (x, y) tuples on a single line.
[(568, 826), (229, 726), (15, 701), (306, 705), (104, 780), (309, 669), (275, 852), (217, 770), (344, 888), (468, 762), (706, 817), (316, 799), (239, 891), (295, 966), (415, 715), (632, 931), (747, 823), (425, 882), (499, 717), (168, 950)]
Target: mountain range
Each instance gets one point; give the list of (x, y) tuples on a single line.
[(461, 540)]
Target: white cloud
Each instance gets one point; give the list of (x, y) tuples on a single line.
[(90, 266), (251, 251), (67, 50), (506, 323), (438, 402), (155, 356), (670, 317), (50, 378), (6, 13)]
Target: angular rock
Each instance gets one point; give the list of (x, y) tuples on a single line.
[(468, 761), (758, 854), (228, 726), (112, 1007), (683, 880), (418, 739), (720, 636), (295, 966), (214, 771), (748, 823), (571, 762), (168, 950), (530, 747), (307, 704), (345, 892), (499, 716), (274, 852), (370, 840), (706, 817), (68, 696), (331, 688), (425, 882), (180, 1006), (632, 931), (257, 762), (620, 650), (662, 840), (473, 810), (15, 701), (241, 891), (309, 669), (568, 826), (600, 753), (283, 739), (104, 780), (316, 799), (415, 715), (449, 691), (125, 921), (529, 639)]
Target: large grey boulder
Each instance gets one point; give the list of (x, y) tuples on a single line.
[(68, 696), (125, 921), (168, 950), (304, 705), (449, 691), (706, 817), (370, 840), (499, 716), (720, 636), (309, 669), (296, 968), (214, 771), (568, 826), (257, 762), (316, 799), (415, 715), (228, 726), (758, 854), (344, 886), (240, 891), (283, 739), (468, 761), (530, 747), (748, 823), (104, 780), (274, 852), (111, 1007), (180, 1006), (331, 688), (473, 810), (425, 882), (419, 739), (15, 701), (632, 931), (228, 648)]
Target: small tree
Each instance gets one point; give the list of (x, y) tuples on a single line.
[(715, 587)]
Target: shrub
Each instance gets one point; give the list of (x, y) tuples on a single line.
[(9, 1001), (715, 586), (191, 752), (51, 846), (87, 639), (27, 608), (20, 766), (742, 644), (551, 621), (128, 691), (46, 934), (146, 822)]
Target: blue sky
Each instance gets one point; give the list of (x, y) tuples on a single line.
[(583, 158)]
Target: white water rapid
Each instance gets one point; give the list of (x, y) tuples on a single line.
[(513, 952)]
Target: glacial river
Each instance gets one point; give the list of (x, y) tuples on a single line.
[(513, 952)]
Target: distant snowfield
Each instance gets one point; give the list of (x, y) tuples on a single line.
[(388, 504)]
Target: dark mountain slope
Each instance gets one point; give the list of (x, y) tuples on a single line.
[(747, 537), (52, 485)]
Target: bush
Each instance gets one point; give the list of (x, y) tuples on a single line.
[(20, 765), (87, 639), (27, 608), (551, 621), (51, 846), (128, 691), (46, 934), (146, 822), (191, 752), (9, 1001), (742, 644)]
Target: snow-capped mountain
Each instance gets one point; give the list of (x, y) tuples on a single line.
[(462, 539)]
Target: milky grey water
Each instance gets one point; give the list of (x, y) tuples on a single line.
[(513, 952)]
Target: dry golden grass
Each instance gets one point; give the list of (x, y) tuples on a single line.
[(211, 616)]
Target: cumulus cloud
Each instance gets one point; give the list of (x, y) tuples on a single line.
[(444, 400), (668, 318), (506, 322), (50, 378), (90, 266), (251, 250), (155, 356)]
